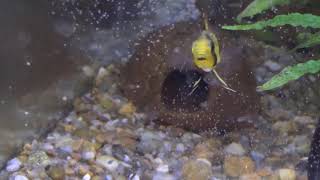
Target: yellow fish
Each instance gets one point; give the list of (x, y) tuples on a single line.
[(206, 53)]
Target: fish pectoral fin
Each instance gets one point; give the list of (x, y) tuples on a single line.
[(225, 85), (195, 86), (197, 82)]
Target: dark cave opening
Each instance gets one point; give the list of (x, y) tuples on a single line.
[(179, 92)]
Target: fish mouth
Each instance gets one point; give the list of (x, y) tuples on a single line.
[(206, 69)]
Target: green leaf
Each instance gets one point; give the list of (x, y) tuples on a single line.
[(308, 41), (258, 6), (293, 19), (291, 73)]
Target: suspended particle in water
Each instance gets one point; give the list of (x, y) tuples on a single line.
[(64, 98)]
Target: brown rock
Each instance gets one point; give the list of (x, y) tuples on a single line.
[(76, 156), (79, 106), (105, 101), (287, 174), (68, 128), (104, 138), (56, 172), (23, 158), (196, 170), (83, 170), (127, 142), (264, 172), (127, 110), (250, 177), (69, 171), (76, 145), (84, 133), (285, 127), (96, 178), (126, 138), (125, 132), (272, 177), (236, 166), (209, 149), (96, 169), (26, 149)]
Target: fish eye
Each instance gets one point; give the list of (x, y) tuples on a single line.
[(201, 59)]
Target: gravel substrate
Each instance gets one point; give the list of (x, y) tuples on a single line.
[(104, 137)]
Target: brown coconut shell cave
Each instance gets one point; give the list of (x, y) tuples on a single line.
[(160, 76)]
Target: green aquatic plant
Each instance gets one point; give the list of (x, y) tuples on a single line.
[(258, 6), (293, 19), (289, 73)]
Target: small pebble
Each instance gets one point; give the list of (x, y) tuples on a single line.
[(236, 166), (287, 174), (56, 172), (127, 110), (86, 177), (20, 177), (108, 177), (250, 177), (164, 168), (102, 73), (196, 169), (285, 127), (13, 165), (208, 149), (180, 147), (88, 155), (235, 149), (257, 156), (108, 162), (163, 176), (47, 147), (88, 71)]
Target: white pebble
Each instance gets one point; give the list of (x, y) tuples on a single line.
[(20, 177), (235, 149), (126, 158), (13, 165), (180, 147), (88, 155), (86, 177), (163, 176), (101, 74), (108, 162), (287, 174), (164, 168), (167, 146), (88, 71), (47, 147), (108, 177)]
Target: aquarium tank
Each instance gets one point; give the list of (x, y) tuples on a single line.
[(160, 90)]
